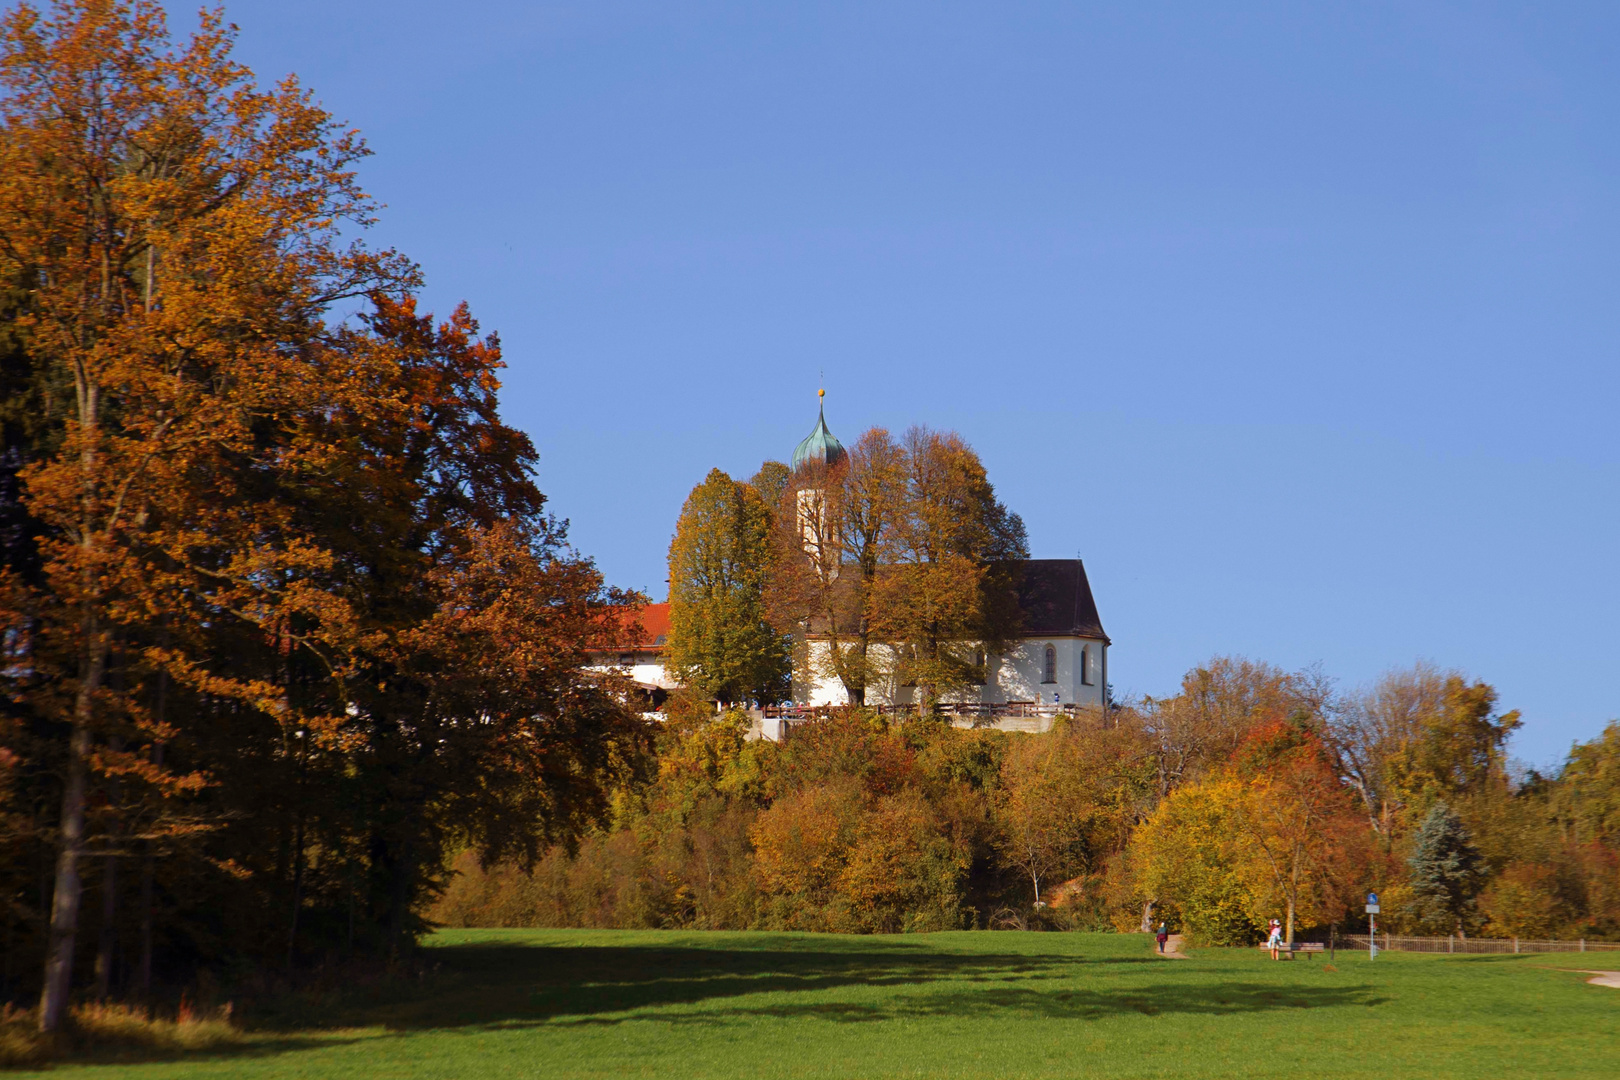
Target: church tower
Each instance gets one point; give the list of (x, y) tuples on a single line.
[(819, 447), (816, 454)]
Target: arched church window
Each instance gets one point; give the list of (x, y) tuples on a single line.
[(1049, 668), (1085, 665)]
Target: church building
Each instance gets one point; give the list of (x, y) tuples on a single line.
[(1058, 661), (1059, 658)]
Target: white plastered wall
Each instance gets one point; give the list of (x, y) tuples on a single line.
[(1018, 677)]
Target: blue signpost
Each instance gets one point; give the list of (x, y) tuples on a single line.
[(1372, 926)]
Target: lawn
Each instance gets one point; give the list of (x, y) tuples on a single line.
[(567, 1003)]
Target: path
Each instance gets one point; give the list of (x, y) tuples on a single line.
[(1172, 948), (1604, 978)]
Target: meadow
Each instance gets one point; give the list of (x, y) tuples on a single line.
[(576, 1003)]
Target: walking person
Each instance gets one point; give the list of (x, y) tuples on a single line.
[(1163, 935), (1274, 942)]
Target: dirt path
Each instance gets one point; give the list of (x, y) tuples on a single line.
[(1604, 978), (1172, 948)]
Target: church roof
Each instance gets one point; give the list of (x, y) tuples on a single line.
[(1055, 598), (819, 447)]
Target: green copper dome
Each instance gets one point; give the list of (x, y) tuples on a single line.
[(819, 447)]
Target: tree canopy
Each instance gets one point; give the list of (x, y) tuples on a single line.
[(720, 644), (285, 616)]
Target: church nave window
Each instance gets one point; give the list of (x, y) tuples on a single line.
[(1049, 667)]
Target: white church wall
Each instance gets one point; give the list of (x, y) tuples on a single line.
[(1018, 677)]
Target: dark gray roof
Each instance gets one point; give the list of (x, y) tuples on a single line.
[(1053, 595), (1056, 599)]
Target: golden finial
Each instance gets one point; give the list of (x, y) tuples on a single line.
[(821, 393)]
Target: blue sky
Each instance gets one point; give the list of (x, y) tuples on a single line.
[(1296, 321)]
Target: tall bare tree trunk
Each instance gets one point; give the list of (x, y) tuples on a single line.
[(69, 887)]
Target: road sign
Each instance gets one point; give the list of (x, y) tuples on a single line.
[(1372, 909), (1372, 898)]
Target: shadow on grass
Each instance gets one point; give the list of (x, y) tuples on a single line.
[(499, 985), (487, 986)]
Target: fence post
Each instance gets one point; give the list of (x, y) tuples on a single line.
[(1515, 944), (1583, 944), (1451, 943), (1386, 941)]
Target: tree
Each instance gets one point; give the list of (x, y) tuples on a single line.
[(1306, 842), (1220, 703), (1067, 800), (719, 642), (771, 482), (903, 871), (1524, 901), (296, 614), (946, 584), (1459, 749), (870, 503), (1417, 736), (802, 845), (825, 555), (1271, 828), (1447, 872), (1192, 857), (1587, 796), (178, 230)]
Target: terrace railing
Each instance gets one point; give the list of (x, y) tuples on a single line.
[(956, 710)]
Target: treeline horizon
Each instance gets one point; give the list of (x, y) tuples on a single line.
[(1250, 794)]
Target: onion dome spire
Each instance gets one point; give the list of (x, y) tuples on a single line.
[(820, 446)]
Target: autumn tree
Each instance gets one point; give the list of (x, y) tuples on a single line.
[(1419, 735), (1306, 842), (179, 231), (1069, 799), (1587, 798), (946, 586), (1217, 707), (771, 481), (1272, 828), (295, 613), (720, 643), (826, 551), (1191, 858)]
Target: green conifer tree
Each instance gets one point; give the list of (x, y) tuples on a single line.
[(1447, 871)]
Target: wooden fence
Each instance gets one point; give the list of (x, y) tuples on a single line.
[(1455, 944)]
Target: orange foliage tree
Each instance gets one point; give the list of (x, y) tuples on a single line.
[(1273, 829), (292, 588)]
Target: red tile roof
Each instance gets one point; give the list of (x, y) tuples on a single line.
[(654, 620)]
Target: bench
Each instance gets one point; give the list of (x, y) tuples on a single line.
[(1309, 948)]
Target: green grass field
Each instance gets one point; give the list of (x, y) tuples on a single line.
[(560, 1003)]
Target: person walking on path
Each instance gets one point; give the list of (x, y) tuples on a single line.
[(1163, 936), (1274, 942)]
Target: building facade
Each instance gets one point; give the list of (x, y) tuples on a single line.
[(1060, 656)]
